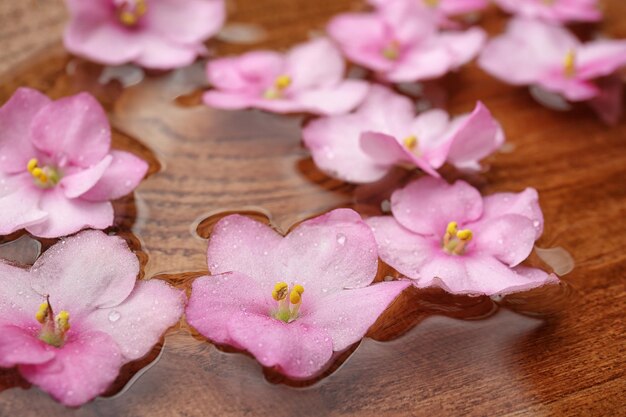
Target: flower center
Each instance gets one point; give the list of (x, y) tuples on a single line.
[(130, 11), (455, 241), (288, 301), (392, 50), (53, 328), (44, 177), (412, 144), (569, 63), (431, 3), (281, 83)]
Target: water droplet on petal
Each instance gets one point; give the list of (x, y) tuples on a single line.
[(341, 239), (114, 316)]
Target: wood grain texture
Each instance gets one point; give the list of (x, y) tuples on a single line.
[(424, 357)]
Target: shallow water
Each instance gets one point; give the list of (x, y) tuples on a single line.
[(205, 164)]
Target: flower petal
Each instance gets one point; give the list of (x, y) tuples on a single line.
[(320, 253), (191, 22), (249, 73), (347, 315), (241, 244), (303, 64), (339, 99), (463, 46), (479, 275), (21, 346), (82, 369), (386, 150), (138, 323), (215, 300), (227, 100), (160, 53), (73, 130), (77, 184), (121, 177), (16, 116), (405, 251), (427, 205), (19, 201), (527, 49), (295, 349), (510, 238), (84, 272), (600, 58), (68, 216), (423, 62), (335, 147), (525, 203), (474, 137)]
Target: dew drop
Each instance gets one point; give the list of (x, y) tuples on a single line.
[(341, 239), (114, 316)]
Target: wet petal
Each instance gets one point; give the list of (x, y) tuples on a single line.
[(427, 205), (295, 349), (525, 203), (138, 323), (406, 251), (303, 64), (193, 21), (120, 178), (347, 315), (21, 346), (68, 216), (16, 116), (77, 184), (73, 130), (82, 369), (339, 99), (19, 203), (84, 272), (510, 238), (215, 300)]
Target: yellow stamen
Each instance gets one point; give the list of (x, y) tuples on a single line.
[(569, 64), (392, 51), (410, 142), (128, 18), (63, 321), (280, 291), (32, 164), (431, 3), (452, 228), (42, 313), (282, 82), (37, 172), (465, 234), (294, 297), (298, 288)]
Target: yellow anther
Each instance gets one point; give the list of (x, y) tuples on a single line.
[(295, 297), (410, 142), (42, 313), (465, 234), (63, 321), (280, 291), (282, 82), (431, 3), (569, 63), (32, 164), (128, 18), (140, 7), (451, 229), (392, 51), (298, 288), (37, 172)]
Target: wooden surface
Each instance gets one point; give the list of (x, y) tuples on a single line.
[(552, 352)]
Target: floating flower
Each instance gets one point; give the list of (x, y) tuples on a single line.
[(363, 146), (532, 52), (308, 78), (557, 11), (157, 34), (402, 44), (442, 10), (77, 315), (449, 236), (57, 172), (291, 301)]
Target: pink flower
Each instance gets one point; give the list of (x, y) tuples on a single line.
[(441, 10), (291, 301), (308, 78), (449, 236), (363, 146), (558, 11), (158, 34), (57, 172), (77, 315), (534, 52), (402, 43)]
